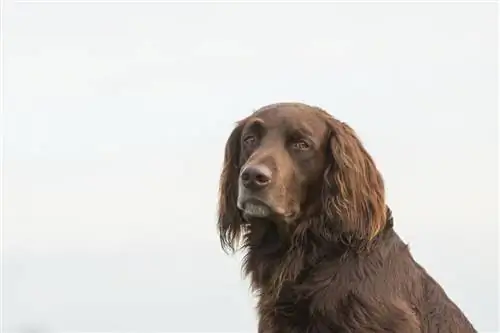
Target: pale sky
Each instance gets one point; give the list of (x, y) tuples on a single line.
[(115, 119)]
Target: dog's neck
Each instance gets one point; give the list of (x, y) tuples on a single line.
[(277, 252)]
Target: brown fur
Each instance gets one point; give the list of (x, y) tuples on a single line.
[(327, 259)]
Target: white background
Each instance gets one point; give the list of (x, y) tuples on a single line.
[(115, 118)]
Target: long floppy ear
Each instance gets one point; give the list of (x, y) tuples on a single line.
[(354, 192), (230, 223)]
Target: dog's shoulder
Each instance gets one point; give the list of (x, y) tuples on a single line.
[(387, 269)]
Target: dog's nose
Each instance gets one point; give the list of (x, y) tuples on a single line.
[(256, 176)]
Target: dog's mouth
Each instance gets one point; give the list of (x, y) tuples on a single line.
[(254, 208)]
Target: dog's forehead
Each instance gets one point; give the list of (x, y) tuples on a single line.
[(293, 117)]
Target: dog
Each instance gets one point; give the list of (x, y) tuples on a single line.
[(304, 199)]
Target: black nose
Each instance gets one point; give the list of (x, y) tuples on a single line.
[(255, 177)]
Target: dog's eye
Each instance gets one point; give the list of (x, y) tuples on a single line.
[(300, 145), (249, 140)]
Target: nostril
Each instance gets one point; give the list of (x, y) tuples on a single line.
[(262, 179), (245, 176), (255, 177)]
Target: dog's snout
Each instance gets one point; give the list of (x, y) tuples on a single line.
[(256, 176)]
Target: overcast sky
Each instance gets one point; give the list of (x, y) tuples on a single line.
[(115, 119)]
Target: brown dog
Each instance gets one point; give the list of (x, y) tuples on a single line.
[(305, 197)]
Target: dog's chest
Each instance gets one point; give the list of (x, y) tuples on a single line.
[(292, 312), (288, 312)]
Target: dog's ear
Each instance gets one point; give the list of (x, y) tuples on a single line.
[(353, 193), (230, 223)]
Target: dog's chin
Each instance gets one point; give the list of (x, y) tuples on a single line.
[(256, 210)]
